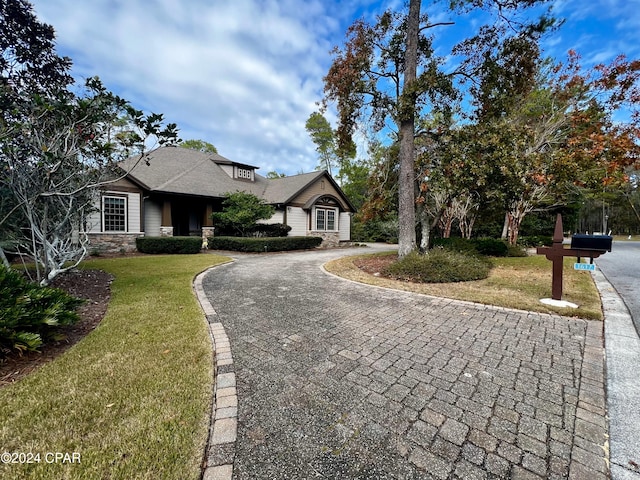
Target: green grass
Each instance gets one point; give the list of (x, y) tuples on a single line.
[(513, 282), (132, 398)]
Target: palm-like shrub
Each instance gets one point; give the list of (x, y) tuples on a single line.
[(31, 314)]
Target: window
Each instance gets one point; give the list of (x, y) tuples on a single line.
[(326, 219), (331, 219), (114, 214), (244, 173), (320, 219)]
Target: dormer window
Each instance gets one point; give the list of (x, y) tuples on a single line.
[(244, 173)]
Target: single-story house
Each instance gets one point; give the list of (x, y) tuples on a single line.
[(174, 191)]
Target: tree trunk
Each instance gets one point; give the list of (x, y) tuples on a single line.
[(469, 228), (505, 226), (406, 200), (425, 228), (515, 220)]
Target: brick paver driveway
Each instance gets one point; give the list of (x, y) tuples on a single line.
[(340, 380)]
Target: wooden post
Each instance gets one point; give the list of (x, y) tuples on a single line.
[(557, 260), (556, 254)]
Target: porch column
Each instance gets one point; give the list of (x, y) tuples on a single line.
[(207, 225), (207, 221), (166, 227)]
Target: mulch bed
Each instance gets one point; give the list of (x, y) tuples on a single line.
[(373, 265), (90, 285)]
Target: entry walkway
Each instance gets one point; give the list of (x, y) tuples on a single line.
[(340, 380)]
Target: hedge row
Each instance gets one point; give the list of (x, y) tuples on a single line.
[(157, 245), (29, 313), (258, 230), (264, 244)]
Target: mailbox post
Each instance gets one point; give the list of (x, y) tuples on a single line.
[(591, 246)]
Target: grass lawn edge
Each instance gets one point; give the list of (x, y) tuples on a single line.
[(127, 412)]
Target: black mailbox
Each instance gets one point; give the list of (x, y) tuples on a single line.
[(592, 242)]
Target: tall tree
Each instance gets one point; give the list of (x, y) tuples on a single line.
[(321, 133), (388, 72)]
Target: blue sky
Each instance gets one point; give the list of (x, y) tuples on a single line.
[(246, 74)]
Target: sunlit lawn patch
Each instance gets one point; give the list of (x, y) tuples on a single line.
[(133, 397)]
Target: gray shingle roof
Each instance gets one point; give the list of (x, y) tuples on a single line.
[(184, 171), (189, 172)]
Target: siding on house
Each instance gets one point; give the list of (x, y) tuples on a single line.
[(94, 221), (277, 217), (228, 169), (134, 214), (152, 218), (345, 226), (320, 187), (297, 220)]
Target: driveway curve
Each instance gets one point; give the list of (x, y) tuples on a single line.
[(341, 380)]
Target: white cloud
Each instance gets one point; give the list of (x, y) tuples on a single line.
[(244, 75)]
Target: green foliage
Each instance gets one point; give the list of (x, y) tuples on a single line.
[(375, 230), (270, 230), (484, 246), (241, 211), (256, 230), (29, 314), (265, 244), (516, 251), (439, 266), (535, 241), (160, 245), (321, 134), (491, 247), (199, 145)]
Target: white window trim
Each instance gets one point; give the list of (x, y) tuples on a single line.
[(336, 216), (244, 173), (126, 212)]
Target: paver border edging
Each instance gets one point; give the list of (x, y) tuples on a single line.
[(223, 428)]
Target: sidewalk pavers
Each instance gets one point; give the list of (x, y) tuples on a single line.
[(340, 380)]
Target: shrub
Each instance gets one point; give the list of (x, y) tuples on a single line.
[(241, 211), (270, 230), (535, 241), (484, 246), (455, 244), (516, 251), (375, 231), (178, 245), (264, 244), (491, 246), (439, 266), (9, 249), (29, 313)]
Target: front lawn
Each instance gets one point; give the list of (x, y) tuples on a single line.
[(513, 282), (132, 400)]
